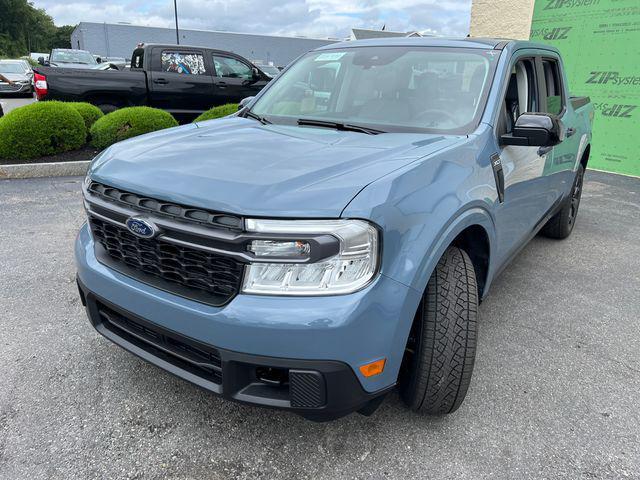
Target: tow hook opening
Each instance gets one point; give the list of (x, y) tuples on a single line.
[(273, 375)]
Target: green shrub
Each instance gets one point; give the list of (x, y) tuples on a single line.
[(129, 122), (40, 129), (89, 113), (218, 112)]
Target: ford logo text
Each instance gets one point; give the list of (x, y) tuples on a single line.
[(141, 228)]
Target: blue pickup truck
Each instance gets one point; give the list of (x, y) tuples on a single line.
[(332, 240)]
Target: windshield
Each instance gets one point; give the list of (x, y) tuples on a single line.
[(270, 70), (12, 68), (389, 88), (72, 56)]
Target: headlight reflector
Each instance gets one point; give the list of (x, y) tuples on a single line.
[(350, 270), (273, 248)]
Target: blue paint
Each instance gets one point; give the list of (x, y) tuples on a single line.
[(421, 189)]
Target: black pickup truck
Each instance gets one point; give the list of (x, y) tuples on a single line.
[(182, 80)]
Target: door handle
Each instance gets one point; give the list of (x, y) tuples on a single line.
[(160, 81), (570, 132), (544, 150), (221, 84)]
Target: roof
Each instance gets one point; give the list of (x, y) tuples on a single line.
[(482, 43), (68, 50), (467, 42)]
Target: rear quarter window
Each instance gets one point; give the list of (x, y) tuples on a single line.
[(186, 63)]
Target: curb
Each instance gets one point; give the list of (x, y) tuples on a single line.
[(36, 170)]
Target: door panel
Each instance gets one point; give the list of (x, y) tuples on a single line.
[(179, 81), (527, 197), (528, 194), (564, 155)]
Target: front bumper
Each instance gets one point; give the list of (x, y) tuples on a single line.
[(15, 88), (330, 336)]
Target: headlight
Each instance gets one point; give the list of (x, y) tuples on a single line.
[(349, 270)]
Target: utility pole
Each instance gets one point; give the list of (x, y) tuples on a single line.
[(175, 8)]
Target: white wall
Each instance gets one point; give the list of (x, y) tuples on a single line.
[(501, 18)]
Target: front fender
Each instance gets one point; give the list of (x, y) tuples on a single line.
[(422, 209), (470, 216)]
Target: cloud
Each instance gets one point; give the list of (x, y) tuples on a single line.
[(312, 18)]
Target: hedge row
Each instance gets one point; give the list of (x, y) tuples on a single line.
[(39, 129), (127, 123), (218, 112), (48, 128)]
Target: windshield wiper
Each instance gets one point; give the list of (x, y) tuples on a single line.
[(262, 120), (347, 127)]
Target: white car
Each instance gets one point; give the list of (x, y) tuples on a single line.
[(16, 77)]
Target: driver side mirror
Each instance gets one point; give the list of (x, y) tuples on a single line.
[(535, 130), (98, 59), (41, 61), (244, 102)]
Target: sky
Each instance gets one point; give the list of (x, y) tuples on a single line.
[(311, 18)]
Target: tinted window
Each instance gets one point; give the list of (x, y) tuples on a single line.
[(186, 63), (395, 88), (227, 67), (554, 86), (137, 61), (72, 56)]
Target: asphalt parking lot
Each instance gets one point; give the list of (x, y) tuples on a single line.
[(11, 102), (555, 392)]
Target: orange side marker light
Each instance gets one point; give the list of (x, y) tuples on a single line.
[(373, 368)]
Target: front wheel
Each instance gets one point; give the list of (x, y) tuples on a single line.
[(438, 363)]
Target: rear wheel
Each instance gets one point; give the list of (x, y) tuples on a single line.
[(107, 107), (561, 224), (438, 363)]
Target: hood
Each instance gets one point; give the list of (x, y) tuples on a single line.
[(240, 166), (16, 77)]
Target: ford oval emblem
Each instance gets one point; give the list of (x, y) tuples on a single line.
[(142, 228)]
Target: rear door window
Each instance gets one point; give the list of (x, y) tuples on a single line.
[(186, 63), (551, 73)]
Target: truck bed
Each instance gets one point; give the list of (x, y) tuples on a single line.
[(68, 84)]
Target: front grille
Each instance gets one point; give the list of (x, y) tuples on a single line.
[(196, 271), (5, 87), (200, 360), (167, 209)]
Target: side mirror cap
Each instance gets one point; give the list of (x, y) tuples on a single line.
[(535, 130), (41, 60), (256, 73), (99, 59), (244, 102)]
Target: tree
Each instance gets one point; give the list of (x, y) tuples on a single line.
[(25, 29), (62, 37)]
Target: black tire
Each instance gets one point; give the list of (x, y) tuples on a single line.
[(107, 107), (561, 224), (438, 363)]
